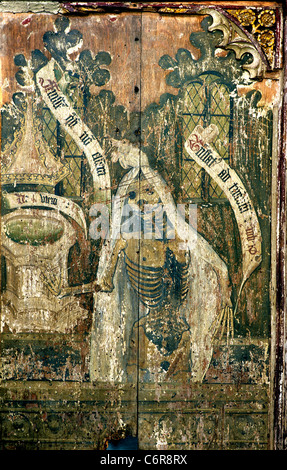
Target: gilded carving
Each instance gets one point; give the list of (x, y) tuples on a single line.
[(262, 25)]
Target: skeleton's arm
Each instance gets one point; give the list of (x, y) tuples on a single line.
[(105, 282)]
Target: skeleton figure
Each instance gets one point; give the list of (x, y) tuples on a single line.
[(182, 283), (156, 266), (147, 253)]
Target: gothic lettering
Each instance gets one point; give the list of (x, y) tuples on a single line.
[(52, 84), (236, 192), (101, 170), (56, 100), (206, 156), (48, 200), (224, 175), (72, 120), (97, 157), (86, 138), (21, 198), (243, 207)]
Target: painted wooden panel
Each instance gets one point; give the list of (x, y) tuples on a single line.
[(140, 208)]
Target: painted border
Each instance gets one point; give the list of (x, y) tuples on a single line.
[(278, 427)]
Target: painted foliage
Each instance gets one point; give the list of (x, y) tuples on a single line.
[(137, 153)]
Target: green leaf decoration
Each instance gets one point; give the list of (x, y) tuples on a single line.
[(89, 68), (184, 67), (62, 42)]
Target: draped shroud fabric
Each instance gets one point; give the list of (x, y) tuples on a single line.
[(118, 342)]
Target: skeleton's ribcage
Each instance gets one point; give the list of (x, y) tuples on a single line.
[(147, 281)]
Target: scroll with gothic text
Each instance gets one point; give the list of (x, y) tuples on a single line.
[(64, 112), (198, 147), (31, 198)]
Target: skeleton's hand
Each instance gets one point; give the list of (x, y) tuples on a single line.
[(223, 324), (104, 285), (96, 287), (107, 285)]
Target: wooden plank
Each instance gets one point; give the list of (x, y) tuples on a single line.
[(122, 327)]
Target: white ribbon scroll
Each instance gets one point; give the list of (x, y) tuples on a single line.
[(36, 199), (198, 147), (64, 112)]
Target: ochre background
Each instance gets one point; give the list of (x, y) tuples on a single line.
[(134, 63)]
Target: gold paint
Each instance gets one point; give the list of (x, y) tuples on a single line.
[(173, 10), (258, 20), (267, 18), (246, 17)]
